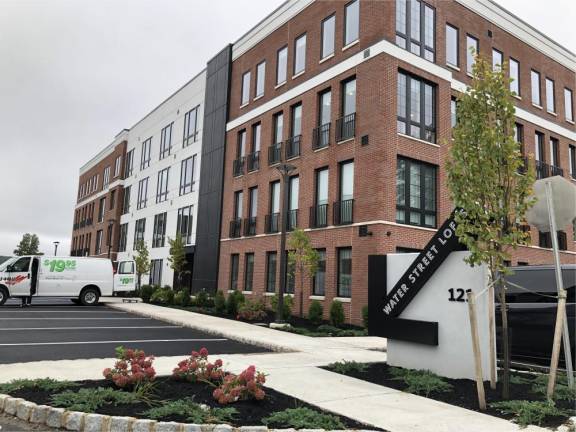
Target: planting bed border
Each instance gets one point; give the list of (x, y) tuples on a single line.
[(85, 422)]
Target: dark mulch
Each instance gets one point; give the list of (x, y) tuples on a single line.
[(464, 392), (250, 413)]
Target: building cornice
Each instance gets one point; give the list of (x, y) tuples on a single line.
[(122, 136)]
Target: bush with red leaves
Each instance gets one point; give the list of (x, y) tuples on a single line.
[(246, 386), (197, 368), (131, 367)]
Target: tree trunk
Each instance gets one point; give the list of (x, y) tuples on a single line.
[(301, 292), (505, 342), (492, 333)]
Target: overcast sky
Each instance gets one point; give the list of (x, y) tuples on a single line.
[(73, 73)]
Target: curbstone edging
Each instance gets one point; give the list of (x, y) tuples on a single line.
[(55, 417), (167, 427), (73, 421), (96, 422), (253, 429), (191, 428), (121, 424), (143, 426), (39, 414), (24, 410), (3, 398), (11, 405)]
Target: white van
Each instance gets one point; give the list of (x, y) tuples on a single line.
[(82, 279)]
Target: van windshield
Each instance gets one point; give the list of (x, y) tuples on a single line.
[(6, 263)]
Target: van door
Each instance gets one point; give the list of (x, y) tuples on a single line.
[(125, 276), (18, 277)]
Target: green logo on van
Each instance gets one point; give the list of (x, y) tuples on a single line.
[(59, 266), (126, 280)]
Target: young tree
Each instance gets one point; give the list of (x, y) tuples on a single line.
[(28, 245), (142, 259), (177, 258), (302, 258), (488, 178)]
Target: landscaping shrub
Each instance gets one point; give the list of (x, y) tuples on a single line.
[(329, 330), (315, 312), (365, 316), (163, 296), (43, 384), (131, 367), (251, 310), (529, 412), (346, 367), (233, 301), (286, 306), (220, 303), (303, 418), (421, 382), (197, 368), (182, 298), (246, 386), (561, 390), (146, 292), (90, 399), (337, 317), (192, 411), (202, 299)]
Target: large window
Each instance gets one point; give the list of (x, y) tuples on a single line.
[(554, 152), (328, 32), (245, 97), (145, 156), (416, 107), (128, 168), (550, 99), (117, 166), (260, 79), (321, 187), (293, 192), (270, 272), (300, 54), (535, 88), (99, 235), (126, 200), (249, 272), (256, 137), (142, 193), (497, 59), (319, 279), (184, 224), (166, 141), (344, 272), (352, 22), (156, 272), (539, 147), (349, 97), (106, 178), (190, 126), (452, 45), (278, 132), (325, 107), (415, 193), (162, 185), (514, 67), (187, 171), (415, 27), (572, 156), (238, 204), (296, 120), (123, 237), (159, 233), (472, 50), (234, 269), (453, 111), (139, 230), (281, 65), (241, 144), (346, 181), (568, 105), (101, 209)]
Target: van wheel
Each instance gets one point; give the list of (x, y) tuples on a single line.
[(3, 296), (89, 297)]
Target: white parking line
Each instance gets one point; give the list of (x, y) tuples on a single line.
[(111, 342), (87, 328)]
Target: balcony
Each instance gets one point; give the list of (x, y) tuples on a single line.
[(292, 220), (293, 147), (321, 136), (543, 170), (253, 161), (272, 223), (319, 216), (250, 226), (346, 127), (239, 166), (274, 153), (235, 226), (343, 212)]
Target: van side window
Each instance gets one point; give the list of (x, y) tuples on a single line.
[(126, 267), (22, 265)]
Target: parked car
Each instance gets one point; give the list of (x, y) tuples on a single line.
[(532, 315)]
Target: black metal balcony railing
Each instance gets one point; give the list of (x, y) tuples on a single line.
[(343, 212), (292, 220), (319, 216), (272, 223), (250, 226), (556, 171), (321, 136), (239, 166), (235, 226), (346, 127), (543, 170), (274, 153), (293, 146), (253, 161)]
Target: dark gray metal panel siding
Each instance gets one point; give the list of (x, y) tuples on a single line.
[(206, 256)]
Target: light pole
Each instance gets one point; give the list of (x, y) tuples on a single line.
[(56, 248), (110, 227), (285, 170)]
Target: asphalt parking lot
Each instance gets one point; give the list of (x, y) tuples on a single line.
[(53, 329)]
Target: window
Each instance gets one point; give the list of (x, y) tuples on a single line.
[(290, 281), (572, 156), (238, 200), (248, 272), (129, 164), (293, 193), (281, 65), (328, 32), (156, 272), (351, 22), (159, 233), (106, 178), (344, 272), (472, 50), (300, 54), (568, 104), (112, 199), (117, 166), (241, 145), (142, 193), (319, 279), (347, 181), (270, 272), (278, 128), (325, 107), (497, 59), (139, 229), (102, 209), (126, 267), (162, 185), (234, 268), (275, 197), (296, 118), (519, 135), (190, 126), (415, 24), (535, 87), (245, 88), (415, 193), (145, 156), (514, 67), (550, 100), (126, 200), (184, 224), (322, 187), (187, 171), (123, 237), (99, 235), (453, 111), (539, 147), (349, 97), (256, 137), (554, 158), (166, 141), (451, 45), (260, 79), (416, 107)]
